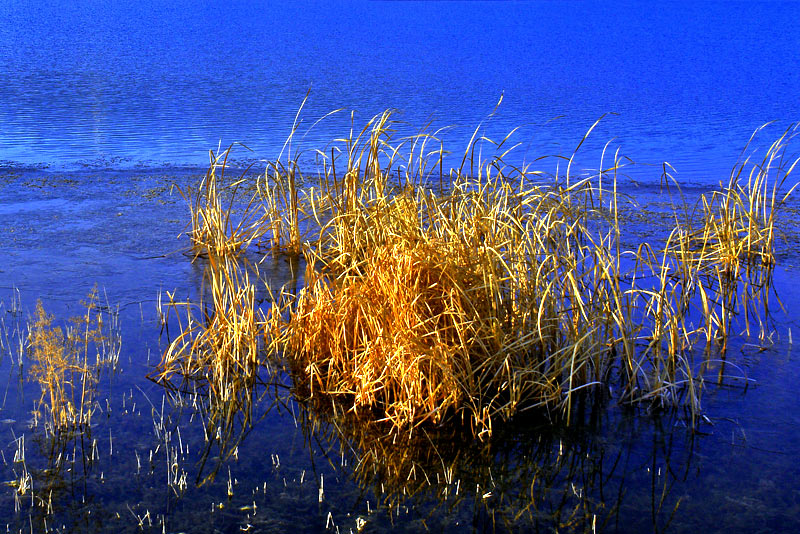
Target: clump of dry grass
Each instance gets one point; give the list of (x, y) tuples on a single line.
[(425, 306), (217, 352), (466, 314), (219, 225), (61, 363), (736, 237), (738, 221), (500, 293), (507, 293), (218, 346), (283, 213), (218, 356)]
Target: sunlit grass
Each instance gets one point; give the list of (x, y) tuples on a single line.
[(504, 290), (218, 348), (61, 363), (215, 228)]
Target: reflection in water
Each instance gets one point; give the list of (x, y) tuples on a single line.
[(530, 475), (69, 463), (227, 424), (215, 365)]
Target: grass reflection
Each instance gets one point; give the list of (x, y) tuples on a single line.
[(531, 475)]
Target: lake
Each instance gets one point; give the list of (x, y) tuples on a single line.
[(123, 84), (107, 105)]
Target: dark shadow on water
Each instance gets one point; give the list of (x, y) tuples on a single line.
[(531, 475)]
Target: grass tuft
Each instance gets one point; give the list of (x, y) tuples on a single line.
[(62, 366), (503, 291)]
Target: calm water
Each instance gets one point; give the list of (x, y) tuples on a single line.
[(105, 105), (124, 83)]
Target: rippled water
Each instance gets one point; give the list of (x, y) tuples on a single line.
[(124, 83)]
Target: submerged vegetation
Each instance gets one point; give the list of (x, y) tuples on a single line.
[(505, 289)]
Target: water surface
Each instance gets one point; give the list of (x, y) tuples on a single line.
[(119, 83)]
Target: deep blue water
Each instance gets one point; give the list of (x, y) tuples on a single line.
[(124, 83)]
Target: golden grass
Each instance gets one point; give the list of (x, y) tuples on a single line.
[(60, 363), (216, 227), (466, 314), (218, 356), (218, 347), (503, 292)]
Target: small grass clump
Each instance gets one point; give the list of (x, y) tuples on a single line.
[(62, 366), (218, 356), (215, 227), (509, 289), (218, 349), (734, 239)]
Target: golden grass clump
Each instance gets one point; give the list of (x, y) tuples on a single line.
[(283, 213), (461, 305), (218, 347), (391, 336), (738, 221), (219, 225), (726, 252), (61, 363), (217, 355), (507, 290)]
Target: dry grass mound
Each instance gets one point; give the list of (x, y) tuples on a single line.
[(504, 291)]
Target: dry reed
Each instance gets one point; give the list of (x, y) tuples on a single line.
[(218, 347), (503, 292), (62, 366), (219, 225)]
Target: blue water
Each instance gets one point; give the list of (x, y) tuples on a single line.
[(122, 84)]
